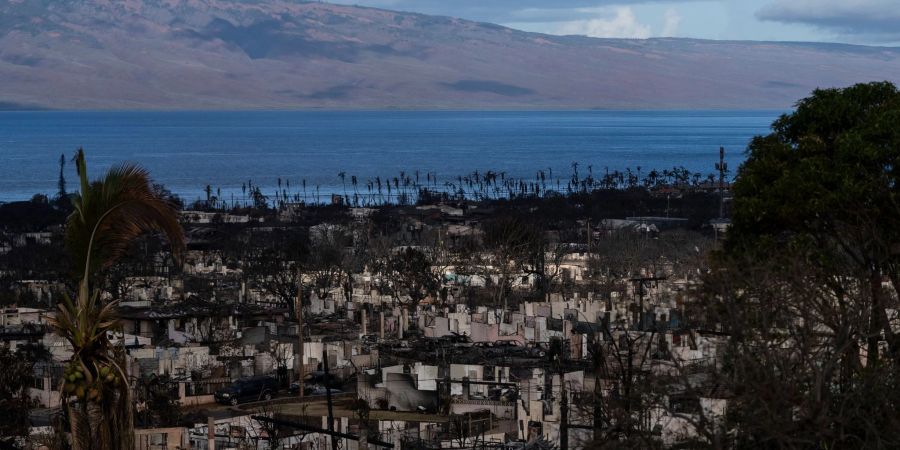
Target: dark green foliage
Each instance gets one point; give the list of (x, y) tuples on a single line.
[(16, 378), (810, 276), (61, 184), (34, 260), (29, 216), (112, 211), (513, 236), (828, 169)]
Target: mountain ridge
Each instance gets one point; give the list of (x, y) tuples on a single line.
[(227, 54)]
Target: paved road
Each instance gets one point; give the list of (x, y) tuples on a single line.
[(43, 416), (283, 400)]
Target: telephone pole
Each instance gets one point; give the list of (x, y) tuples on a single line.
[(334, 442), (301, 368), (722, 167), (563, 412)]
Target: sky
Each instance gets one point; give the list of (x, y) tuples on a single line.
[(871, 22)]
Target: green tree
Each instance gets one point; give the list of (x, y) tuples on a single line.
[(108, 214), (61, 194), (15, 402), (825, 183), (807, 284), (260, 201)]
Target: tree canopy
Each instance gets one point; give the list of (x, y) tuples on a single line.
[(807, 284), (829, 171)]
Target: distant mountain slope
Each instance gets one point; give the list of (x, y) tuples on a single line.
[(217, 54)]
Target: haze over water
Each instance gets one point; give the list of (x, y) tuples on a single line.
[(188, 150)]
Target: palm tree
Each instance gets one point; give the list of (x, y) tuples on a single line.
[(652, 179), (208, 191), (109, 213), (343, 176)]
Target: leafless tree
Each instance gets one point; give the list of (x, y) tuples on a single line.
[(798, 357)]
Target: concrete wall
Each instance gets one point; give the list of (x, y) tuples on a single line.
[(150, 439), (47, 397)]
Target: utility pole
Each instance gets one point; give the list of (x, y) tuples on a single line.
[(210, 433), (722, 167), (363, 411), (598, 402), (563, 408), (563, 416), (590, 238), (301, 367), (334, 443), (640, 286), (589, 265)]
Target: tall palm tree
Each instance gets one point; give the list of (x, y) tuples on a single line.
[(108, 214), (343, 175)]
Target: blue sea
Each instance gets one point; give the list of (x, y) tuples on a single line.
[(186, 151)]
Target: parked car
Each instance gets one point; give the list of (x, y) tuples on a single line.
[(248, 390), (319, 390), (499, 349), (316, 379), (459, 340), (294, 389), (320, 378), (311, 390), (502, 393)]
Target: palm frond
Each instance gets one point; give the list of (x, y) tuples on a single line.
[(110, 213)]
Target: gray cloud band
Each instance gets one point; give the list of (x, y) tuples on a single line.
[(501, 11), (874, 19)]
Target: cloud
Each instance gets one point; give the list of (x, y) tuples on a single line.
[(619, 22), (671, 22), (500, 11), (876, 20), (488, 86)]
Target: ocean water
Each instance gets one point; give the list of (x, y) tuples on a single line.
[(186, 151)]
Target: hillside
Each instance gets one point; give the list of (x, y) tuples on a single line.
[(229, 54)]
